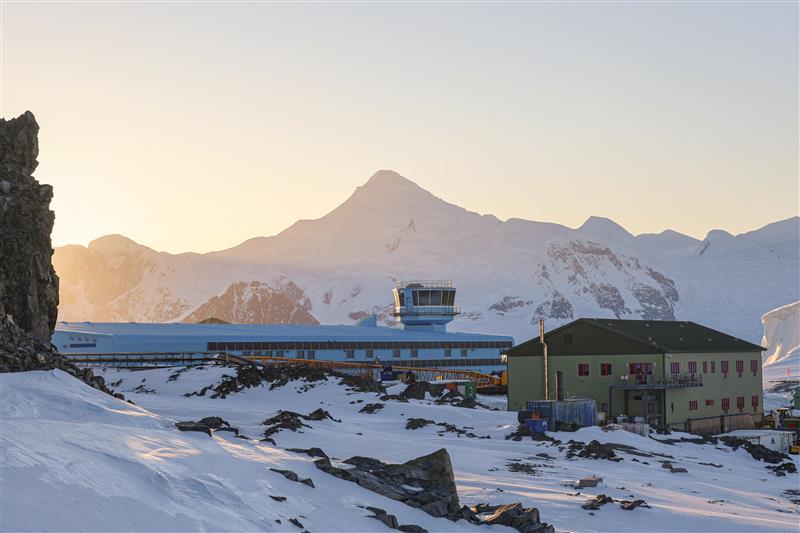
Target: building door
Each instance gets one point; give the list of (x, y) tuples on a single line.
[(641, 371)]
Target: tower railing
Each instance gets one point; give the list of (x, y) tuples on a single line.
[(400, 310), (424, 284)]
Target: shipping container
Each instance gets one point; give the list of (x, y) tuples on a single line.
[(578, 412)]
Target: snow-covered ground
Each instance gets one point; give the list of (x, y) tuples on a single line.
[(76, 459)]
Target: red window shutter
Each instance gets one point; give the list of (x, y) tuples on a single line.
[(740, 403), (693, 405), (723, 367), (754, 366), (739, 368), (583, 369), (713, 367), (693, 367), (726, 404), (675, 368), (705, 367)]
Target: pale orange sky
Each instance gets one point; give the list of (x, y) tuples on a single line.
[(192, 127)]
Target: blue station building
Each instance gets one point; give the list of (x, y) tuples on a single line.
[(424, 308)]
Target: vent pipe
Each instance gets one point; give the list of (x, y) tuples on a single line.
[(544, 353)]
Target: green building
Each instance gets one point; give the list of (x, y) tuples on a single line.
[(679, 375)]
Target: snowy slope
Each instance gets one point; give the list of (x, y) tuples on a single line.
[(509, 273), (782, 359), (75, 459), (101, 464)]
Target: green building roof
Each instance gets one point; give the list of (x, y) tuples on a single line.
[(603, 336)]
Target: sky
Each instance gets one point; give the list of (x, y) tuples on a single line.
[(195, 126)]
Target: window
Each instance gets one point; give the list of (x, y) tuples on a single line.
[(754, 366), (464, 352), (740, 403), (279, 353), (311, 354), (396, 354), (604, 407), (754, 402), (726, 405), (693, 367), (448, 352), (605, 369), (713, 366), (723, 367), (705, 367), (672, 407), (651, 407), (350, 354), (693, 405), (583, 369), (414, 352), (301, 354), (675, 368), (710, 403), (739, 368), (370, 354)]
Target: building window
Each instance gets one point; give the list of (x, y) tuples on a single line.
[(754, 367), (740, 403), (693, 367), (464, 352), (723, 367), (693, 405), (604, 407), (583, 369), (675, 368), (754, 402), (300, 354), (396, 354), (279, 353), (739, 368), (605, 369), (710, 403), (311, 354), (705, 367), (414, 352), (672, 407), (369, 354), (713, 367), (651, 407), (726, 405), (350, 354), (448, 352)]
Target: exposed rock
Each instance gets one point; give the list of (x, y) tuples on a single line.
[(523, 431), (370, 408), (597, 502), (631, 505), (28, 282), (428, 483), (207, 425), (592, 450), (278, 498), (292, 421), (311, 452), (292, 476), (296, 522)]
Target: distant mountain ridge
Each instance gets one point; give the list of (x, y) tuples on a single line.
[(509, 273)]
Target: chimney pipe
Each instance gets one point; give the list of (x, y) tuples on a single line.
[(544, 353)]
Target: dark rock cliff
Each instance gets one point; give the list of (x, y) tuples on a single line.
[(28, 283)]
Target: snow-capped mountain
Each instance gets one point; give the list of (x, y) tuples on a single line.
[(508, 273), (782, 340), (257, 303)]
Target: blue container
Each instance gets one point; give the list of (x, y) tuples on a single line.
[(537, 425), (578, 411), (388, 375)]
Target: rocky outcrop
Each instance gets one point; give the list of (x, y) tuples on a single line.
[(428, 483), (28, 283), (257, 303)]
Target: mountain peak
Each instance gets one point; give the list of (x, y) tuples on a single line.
[(604, 227), (114, 243), (390, 178)]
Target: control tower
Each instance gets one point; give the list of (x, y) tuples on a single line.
[(424, 305)]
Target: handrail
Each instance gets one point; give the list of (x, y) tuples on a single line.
[(401, 310), (424, 284)]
